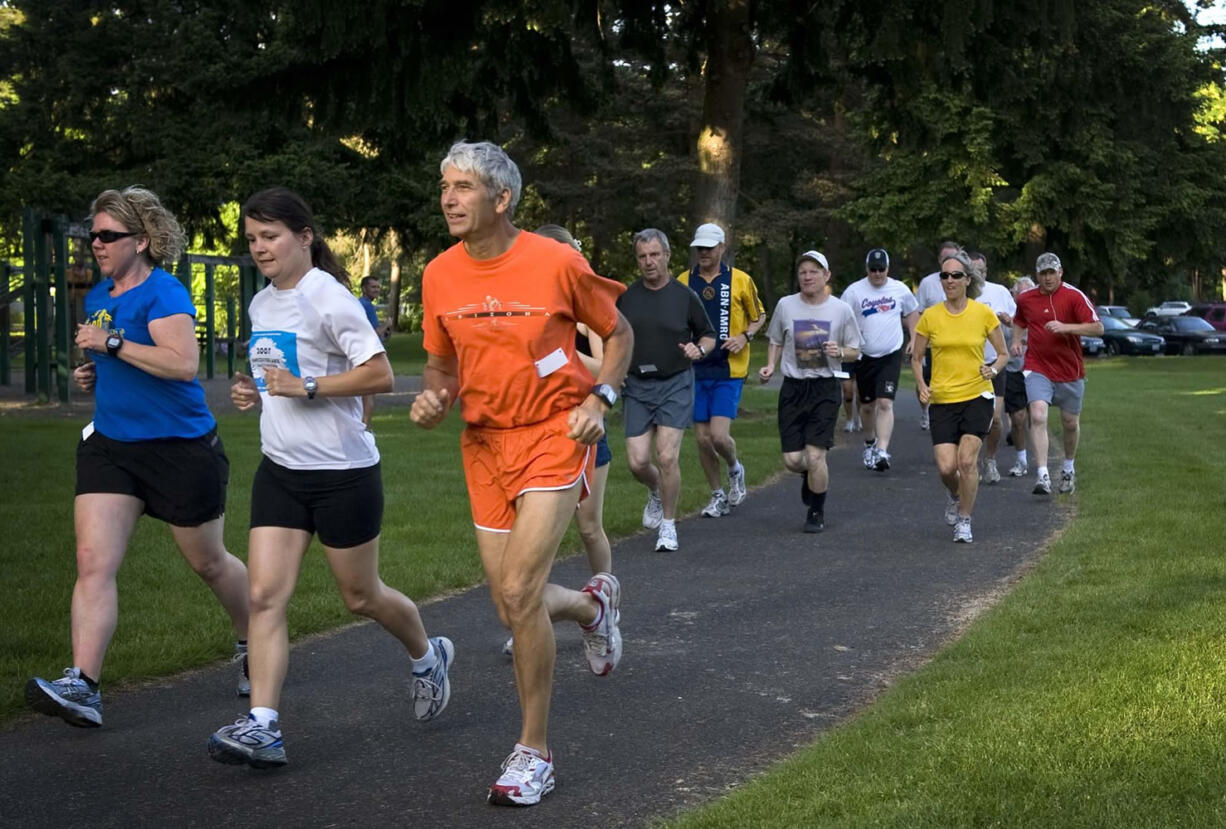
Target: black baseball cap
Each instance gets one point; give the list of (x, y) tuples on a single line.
[(877, 260)]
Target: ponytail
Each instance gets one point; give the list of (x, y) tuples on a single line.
[(323, 258)]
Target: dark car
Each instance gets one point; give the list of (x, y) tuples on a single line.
[(1213, 313), (1093, 346), (1186, 335), (1122, 338)]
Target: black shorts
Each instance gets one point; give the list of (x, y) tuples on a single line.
[(344, 507), (808, 410), (1015, 392), (950, 421), (181, 480), (877, 377)]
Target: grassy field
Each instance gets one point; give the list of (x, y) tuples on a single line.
[(169, 620), (1093, 695)]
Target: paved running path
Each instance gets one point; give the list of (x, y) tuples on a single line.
[(739, 649)]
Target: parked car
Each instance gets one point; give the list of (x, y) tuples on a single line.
[(1122, 338), (1093, 346), (1186, 335), (1117, 311), (1213, 313), (1170, 308)]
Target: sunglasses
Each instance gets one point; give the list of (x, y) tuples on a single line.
[(108, 236), (952, 275), (876, 270)]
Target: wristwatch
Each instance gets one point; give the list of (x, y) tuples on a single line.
[(311, 385), (114, 342), (748, 336), (606, 393)]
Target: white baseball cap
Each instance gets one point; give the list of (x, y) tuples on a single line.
[(817, 257), (708, 236)]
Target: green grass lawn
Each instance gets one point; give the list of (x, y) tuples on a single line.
[(1094, 694), (170, 621)]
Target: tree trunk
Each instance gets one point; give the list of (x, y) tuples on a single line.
[(730, 51), (393, 288)]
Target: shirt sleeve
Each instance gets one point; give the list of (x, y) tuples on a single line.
[(170, 298), (371, 314), (594, 298), (851, 331), (750, 300), (907, 303), (775, 332), (435, 339), (348, 327), (924, 326)]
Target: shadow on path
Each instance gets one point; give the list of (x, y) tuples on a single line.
[(740, 648)]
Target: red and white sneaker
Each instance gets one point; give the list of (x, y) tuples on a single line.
[(603, 641), (526, 778)]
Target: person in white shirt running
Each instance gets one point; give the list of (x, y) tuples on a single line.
[(313, 355), (998, 298), (883, 307)]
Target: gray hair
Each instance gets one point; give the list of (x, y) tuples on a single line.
[(973, 282), (651, 235), (1023, 283), (491, 164)]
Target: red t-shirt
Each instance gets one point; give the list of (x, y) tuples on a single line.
[(1056, 356), (510, 321)]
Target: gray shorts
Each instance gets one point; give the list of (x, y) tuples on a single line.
[(1066, 397), (667, 401)]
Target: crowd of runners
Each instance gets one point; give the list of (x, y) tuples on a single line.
[(535, 349)]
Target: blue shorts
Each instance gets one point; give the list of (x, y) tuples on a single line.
[(716, 398), (603, 453)]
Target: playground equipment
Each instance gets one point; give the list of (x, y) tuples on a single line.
[(58, 270)]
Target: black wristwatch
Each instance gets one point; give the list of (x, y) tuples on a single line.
[(606, 393), (311, 385), (114, 342), (748, 336)]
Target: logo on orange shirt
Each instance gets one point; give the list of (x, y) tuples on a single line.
[(494, 313)]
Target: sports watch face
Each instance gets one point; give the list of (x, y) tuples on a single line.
[(113, 343)]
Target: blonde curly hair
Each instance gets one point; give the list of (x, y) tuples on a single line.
[(140, 210)]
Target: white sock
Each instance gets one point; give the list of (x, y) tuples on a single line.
[(1068, 465), (1041, 471), (264, 716), (668, 522), (740, 470), (1021, 456), (427, 662)]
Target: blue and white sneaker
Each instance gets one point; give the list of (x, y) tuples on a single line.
[(248, 742), (70, 698), (736, 485), (432, 688), (526, 778)]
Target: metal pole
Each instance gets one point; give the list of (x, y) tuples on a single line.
[(210, 321), (29, 232), (6, 325), (246, 285), (63, 336), (230, 327), (42, 298)]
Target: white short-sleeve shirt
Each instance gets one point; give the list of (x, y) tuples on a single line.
[(998, 298), (879, 313), (314, 329)]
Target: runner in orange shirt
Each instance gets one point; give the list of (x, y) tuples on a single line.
[(500, 310)]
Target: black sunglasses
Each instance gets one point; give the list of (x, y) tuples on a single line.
[(952, 275), (108, 236)]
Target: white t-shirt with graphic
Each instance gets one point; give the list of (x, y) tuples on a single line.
[(929, 291), (879, 313), (998, 298), (314, 329), (803, 329)]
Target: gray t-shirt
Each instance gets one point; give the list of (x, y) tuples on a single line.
[(803, 329)]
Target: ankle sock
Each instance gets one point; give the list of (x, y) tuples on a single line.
[(427, 662), (264, 716), (1021, 456), (1067, 466)]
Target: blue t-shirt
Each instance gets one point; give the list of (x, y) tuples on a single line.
[(131, 404), (371, 313), (717, 301)]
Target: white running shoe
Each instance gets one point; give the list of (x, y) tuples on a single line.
[(736, 485), (859, 425), (924, 418), (870, 454), (243, 689), (248, 742), (1042, 485), (526, 778), (508, 647), (883, 460), (991, 475), (603, 642), (1068, 483), (432, 688), (849, 426), (962, 531), (951, 510), (666, 541), (718, 505), (653, 512), (1019, 470)]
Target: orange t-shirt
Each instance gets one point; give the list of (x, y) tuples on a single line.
[(510, 321)]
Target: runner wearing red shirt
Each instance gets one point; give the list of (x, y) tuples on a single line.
[(1054, 316)]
